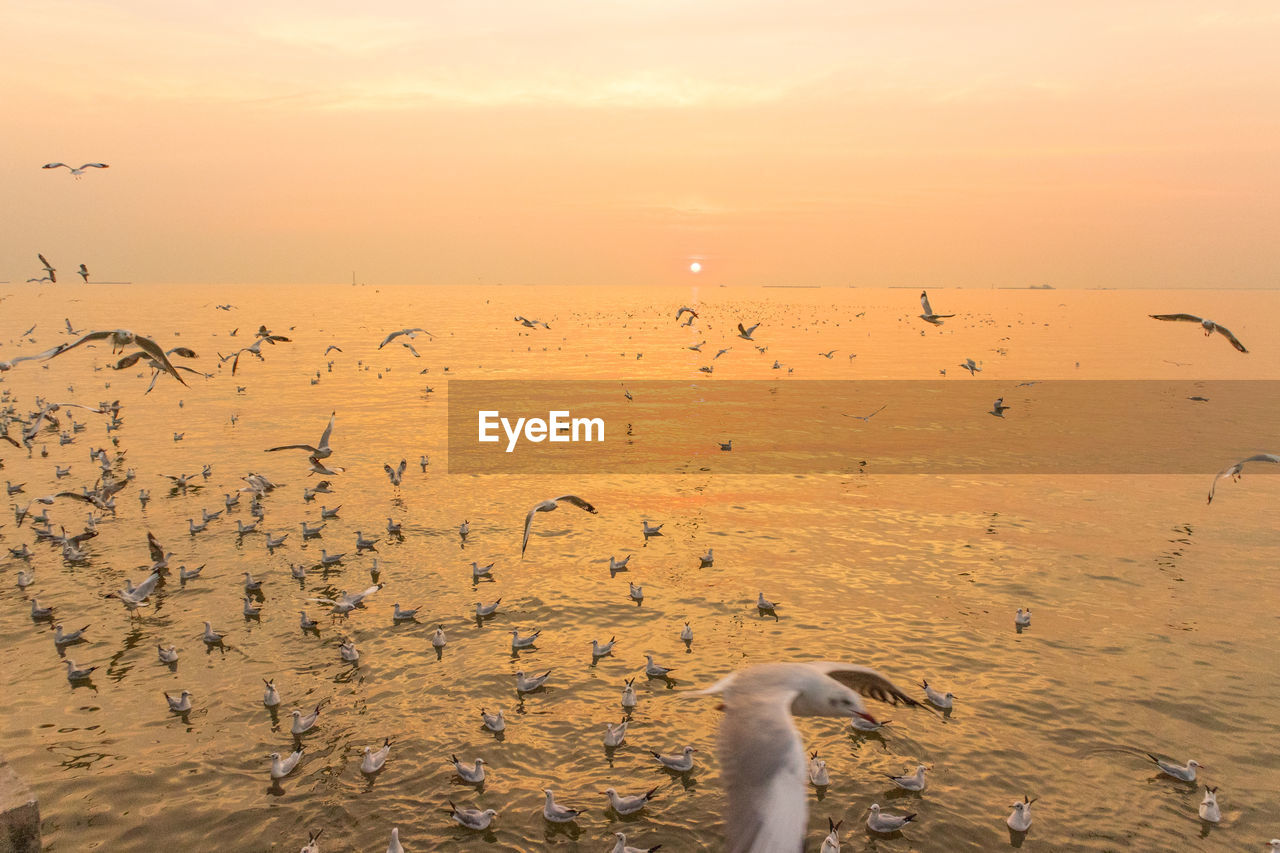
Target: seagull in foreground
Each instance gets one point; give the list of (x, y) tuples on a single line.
[(473, 775), (1209, 806), (320, 451), (557, 813), (374, 759), (621, 846), (928, 316), (77, 171), (120, 339), (628, 805), (282, 767), (548, 506), (831, 844), (910, 782), (943, 700), (1208, 325), (762, 758), (412, 333), (680, 762), (473, 818), (878, 821), (1236, 470), (394, 845), (746, 334), (1184, 773), (1020, 819)]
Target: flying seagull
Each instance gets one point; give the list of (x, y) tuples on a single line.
[(321, 451), (928, 316), (763, 761), (1208, 325), (412, 333), (76, 171), (121, 338), (1235, 470), (83, 272), (745, 334), (548, 506), (48, 267)]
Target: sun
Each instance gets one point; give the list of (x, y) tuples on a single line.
[(695, 267)]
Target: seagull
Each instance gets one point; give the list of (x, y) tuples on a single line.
[(629, 805), (726, 445), (828, 354), (320, 451), (720, 353), (971, 366), (886, 823), (637, 593), (744, 333), (680, 762), (654, 670), (303, 724), (998, 408), (282, 767), (181, 704), (683, 309), (530, 324), (120, 339), (78, 171), (629, 694), (1022, 618), (686, 633), (548, 506), (1208, 325), (483, 610), (621, 845), (349, 652), (762, 758), (313, 846), (473, 818), (1208, 806), (83, 272), (473, 775), (557, 813), (942, 700), (615, 735), (763, 603), (438, 639), (599, 651), (707, 559), (168, 655), (395, 473), (374, 759), (831, 844), (910, 782), (865, 418), (53, 277), (75, 673), (478, 571), (412, 333), (928, 316), (26, 579), (696, 347), (493, 722), (818, 774), (270, 697), (651, 531), (1184, 773), (398, 615), (250, 609), (1020, 819), (394, 845), (61, 639), (210, 636), (528, 684), (1235, 471)]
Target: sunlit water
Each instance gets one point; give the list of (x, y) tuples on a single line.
[(1155, 625)]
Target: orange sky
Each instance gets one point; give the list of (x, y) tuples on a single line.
[(870, 142)]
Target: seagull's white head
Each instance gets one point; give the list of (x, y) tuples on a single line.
[(1194, 763), (821, 696), (875, 808)]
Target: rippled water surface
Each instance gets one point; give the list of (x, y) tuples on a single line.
[(1155, 615)]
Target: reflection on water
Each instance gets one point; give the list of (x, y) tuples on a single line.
[(1154, 626)]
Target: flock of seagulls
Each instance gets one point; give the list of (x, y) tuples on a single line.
[(765, 768)]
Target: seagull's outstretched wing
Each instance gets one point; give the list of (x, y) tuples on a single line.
[(53, 165), (763, 768), (1236, 469), (1226, 333), (867, 682), (578, 502), (1185, 318), (153, 349), (528, 520), (924, 303), (95, 166), (324, 436)]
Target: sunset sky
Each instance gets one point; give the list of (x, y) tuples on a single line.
[(867, 142)]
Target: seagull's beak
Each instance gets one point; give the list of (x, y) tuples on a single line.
[(870, 719)]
